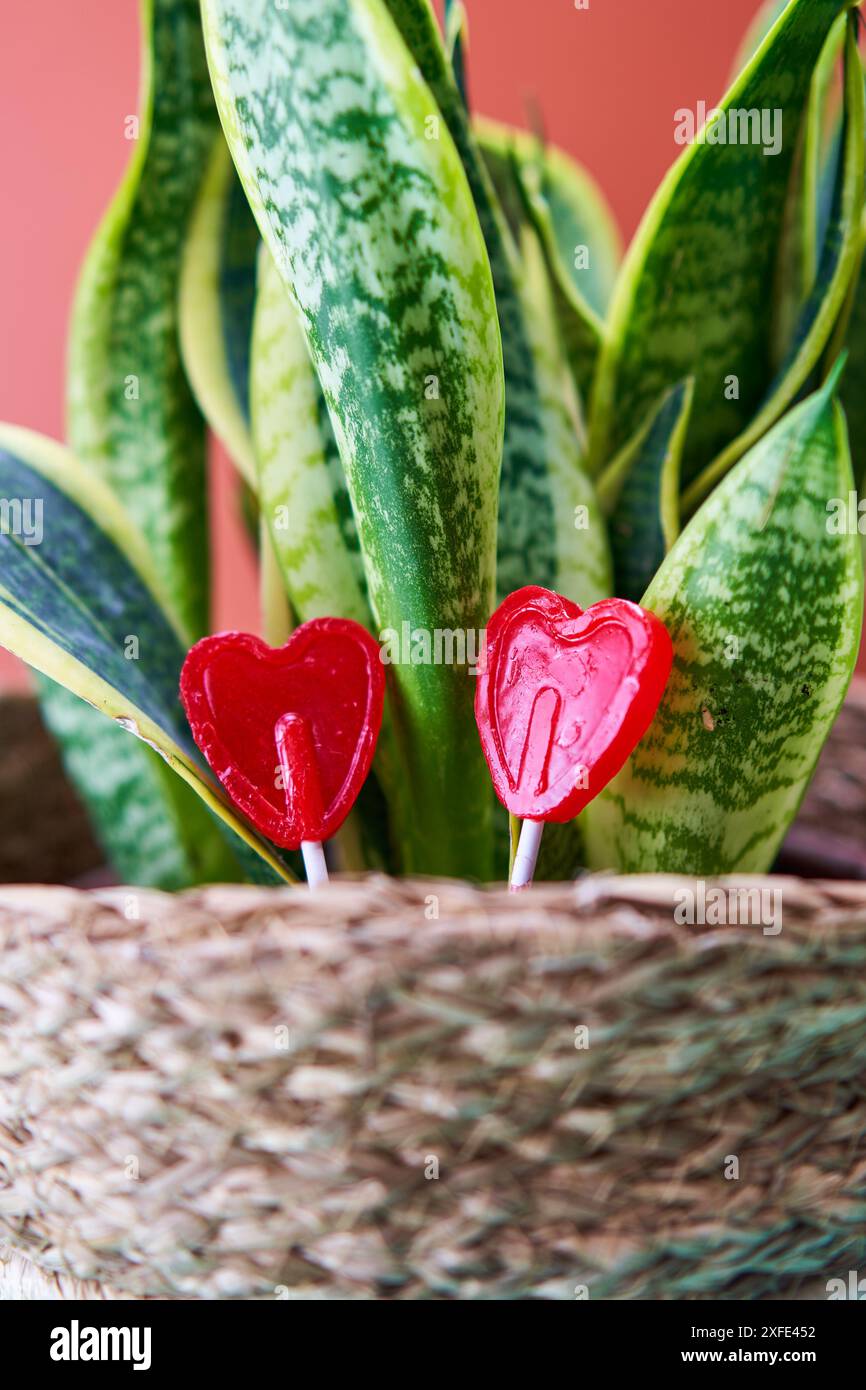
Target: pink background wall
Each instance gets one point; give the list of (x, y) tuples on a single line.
[(607, 80)]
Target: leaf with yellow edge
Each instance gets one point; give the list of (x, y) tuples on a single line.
[(82, 604)]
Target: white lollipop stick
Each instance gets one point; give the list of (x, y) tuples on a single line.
[(314, 863), (526, 857)]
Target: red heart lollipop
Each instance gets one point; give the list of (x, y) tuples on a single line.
[(289, 731), (565, 696)]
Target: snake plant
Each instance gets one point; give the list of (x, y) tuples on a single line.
[(414, 332)]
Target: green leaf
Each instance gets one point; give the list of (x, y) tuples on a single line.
[(581, 327), (581, 567), (217, 306), (83, 606), (822, 133), (456, 37), (301, 483), (308, 543), (217, 299), (544, 493), (828, 181), (496, 147), (373, 229), (579, 215), (768, 14), (131, 416), (276, 610), (852, 391), (827, 299), (550, 528), (306, 506), (692, 295), (641, 488), (131, 413), (518, 183), (763, 600), (805, 226), (155, 830)]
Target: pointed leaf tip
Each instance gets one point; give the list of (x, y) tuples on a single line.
[(835, 374)]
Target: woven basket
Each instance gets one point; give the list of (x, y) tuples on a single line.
[(413, 1090)]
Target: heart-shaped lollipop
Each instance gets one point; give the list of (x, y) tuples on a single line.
[(563, 698), (289, 731)]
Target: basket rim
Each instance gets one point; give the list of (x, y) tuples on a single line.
[(377, 904)]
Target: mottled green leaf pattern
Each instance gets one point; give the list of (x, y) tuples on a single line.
[(217, 305), (580, 218), (131, 413), (582, 329), (306, 507), (763, 600), (301, 483), (372, 227), (131, 416), (692, 295), (398, 320), (543, 490), (642, 488), (810, 202), (582, 556), (550, 529), (580, 242), (825, 302)]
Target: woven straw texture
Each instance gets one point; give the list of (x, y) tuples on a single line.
[(250, 1093)]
